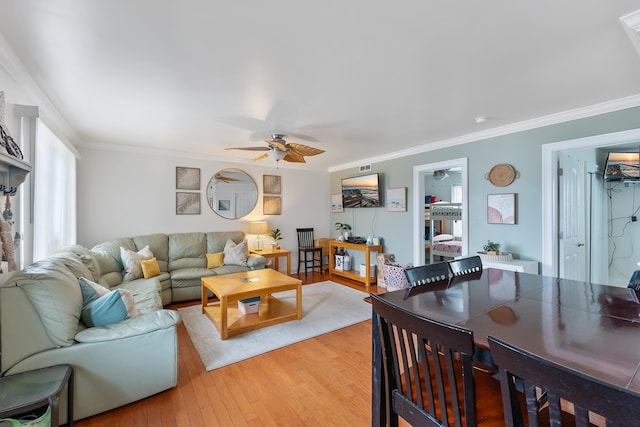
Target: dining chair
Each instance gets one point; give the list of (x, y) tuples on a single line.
[(428, 374), (565, 396), (308, 254), (461, 266), (425, 274)]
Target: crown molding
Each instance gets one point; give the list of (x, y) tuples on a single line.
[(49, 114), (552, 119)]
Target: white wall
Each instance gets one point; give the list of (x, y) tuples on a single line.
[(133, 193)]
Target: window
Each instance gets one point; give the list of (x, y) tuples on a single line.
[(54, 221)]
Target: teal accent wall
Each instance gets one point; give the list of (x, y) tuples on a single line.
[(521, 149)]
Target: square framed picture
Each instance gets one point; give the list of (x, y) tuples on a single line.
[(187, 178), (336, 203), (271, 205), (224, 205), (187, 203), (501, 208), (397, 199), (271, 184)]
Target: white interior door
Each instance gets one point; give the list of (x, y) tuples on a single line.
[(572, 211)]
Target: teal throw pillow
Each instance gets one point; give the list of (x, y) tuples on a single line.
[(104, 310)]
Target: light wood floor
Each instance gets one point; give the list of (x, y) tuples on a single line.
[(323, 381)]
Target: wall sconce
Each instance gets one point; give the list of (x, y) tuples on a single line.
[(258, 228)]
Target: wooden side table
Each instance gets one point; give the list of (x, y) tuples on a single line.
[(275, 254), (26, 391)]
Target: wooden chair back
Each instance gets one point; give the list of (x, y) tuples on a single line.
[(305, 237), (428, 371), (466, 265), (425, 274), (546, 381)]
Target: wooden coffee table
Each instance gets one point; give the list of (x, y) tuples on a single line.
[(229, 288)]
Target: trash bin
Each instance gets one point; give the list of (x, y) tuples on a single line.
[(38, 418)]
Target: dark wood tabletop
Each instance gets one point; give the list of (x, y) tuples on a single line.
[(594, 329)]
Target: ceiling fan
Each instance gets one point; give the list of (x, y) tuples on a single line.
[(279, 149)]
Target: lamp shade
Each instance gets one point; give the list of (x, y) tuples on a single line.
[(258, 227)]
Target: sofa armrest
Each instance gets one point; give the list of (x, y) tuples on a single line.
[(256, 261), (139, 325)]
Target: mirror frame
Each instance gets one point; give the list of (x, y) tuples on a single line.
[(213, 201)]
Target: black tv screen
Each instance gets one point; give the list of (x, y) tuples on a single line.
[(361, 191), (622, 166)]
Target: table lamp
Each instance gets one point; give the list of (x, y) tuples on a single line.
[(258, 228)]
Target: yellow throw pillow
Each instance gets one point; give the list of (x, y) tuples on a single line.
[(150, 268), (215, 260)]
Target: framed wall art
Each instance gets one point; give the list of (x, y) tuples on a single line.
[(187, 203), (271, 205), (501, 208), (224, 205), (187, 178), (271, 184), (397, 199), (336, 203)]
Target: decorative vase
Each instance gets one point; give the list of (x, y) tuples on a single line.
[(347, 234)]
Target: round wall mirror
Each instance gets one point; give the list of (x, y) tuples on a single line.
[(232, 193)]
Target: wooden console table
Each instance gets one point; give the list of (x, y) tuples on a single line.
[(355, 274)]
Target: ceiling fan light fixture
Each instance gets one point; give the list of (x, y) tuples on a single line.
[(276, 154), (440, 174)]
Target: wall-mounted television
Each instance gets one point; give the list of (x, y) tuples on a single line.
[(361, 191), (622, 166)]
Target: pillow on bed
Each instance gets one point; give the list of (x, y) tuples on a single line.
[(442, 237)]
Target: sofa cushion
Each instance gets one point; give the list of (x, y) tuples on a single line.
[(150, 268), (215, 260), (187, 250), (146, 293), (216, 240), (104, 310), (159, 245), (236, 253), (99, 306), (109, 254), (131, 262), (54, 293)]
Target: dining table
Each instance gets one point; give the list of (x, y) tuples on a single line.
[(587, 327)]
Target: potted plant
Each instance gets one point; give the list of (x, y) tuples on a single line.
[(491, 248), (345, 229), (276, 236)]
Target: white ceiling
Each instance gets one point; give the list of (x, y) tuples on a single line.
[(363, 78)]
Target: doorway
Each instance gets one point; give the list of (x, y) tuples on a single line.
[(552, 209), (419, 194)]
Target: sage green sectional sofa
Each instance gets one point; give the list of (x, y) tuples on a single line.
[(42, 307), (181, 257)]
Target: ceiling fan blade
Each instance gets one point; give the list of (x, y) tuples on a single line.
[(226, 178), (304, 150), (264, 156), (294, 157), (279, 145), (249, 148)]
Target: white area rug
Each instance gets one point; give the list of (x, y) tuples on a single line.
[(326, 306)]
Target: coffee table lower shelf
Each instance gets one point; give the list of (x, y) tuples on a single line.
[(272, 311)]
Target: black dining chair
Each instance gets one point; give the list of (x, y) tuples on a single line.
[(546, 384), (428, 377), (461, 266), (308, 254), (425, 274)]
